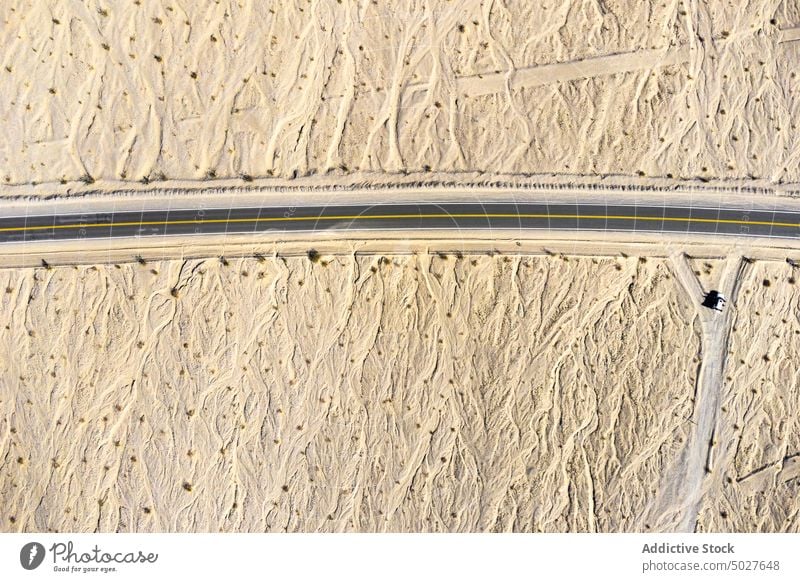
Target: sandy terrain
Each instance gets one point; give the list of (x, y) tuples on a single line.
[(465, 391), (162, 89), (407, 393), (757, 485)]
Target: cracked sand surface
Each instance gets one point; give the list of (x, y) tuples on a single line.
[(757, 483), (418, 393), (154, 90)]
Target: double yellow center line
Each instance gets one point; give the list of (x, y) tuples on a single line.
[(328, 218)]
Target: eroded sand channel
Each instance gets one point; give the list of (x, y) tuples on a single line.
[(405, 393)]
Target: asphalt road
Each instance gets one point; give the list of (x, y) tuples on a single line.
[(506, 216)]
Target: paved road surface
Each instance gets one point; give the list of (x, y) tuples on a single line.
[(453, 216)]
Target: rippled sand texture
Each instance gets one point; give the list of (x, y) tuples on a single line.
[(161, 89), (758, 485), (413, 393)]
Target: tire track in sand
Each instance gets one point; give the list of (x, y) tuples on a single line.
[(478, 85), (487, 84), (680, 495)]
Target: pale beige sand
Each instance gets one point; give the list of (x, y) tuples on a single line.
[(411, 393), (708, 272), (428, 394), (757, 486), (152, 89)]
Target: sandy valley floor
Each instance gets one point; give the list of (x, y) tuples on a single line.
[(411, 393), (424, 392), (758, 484), (190, 90)]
